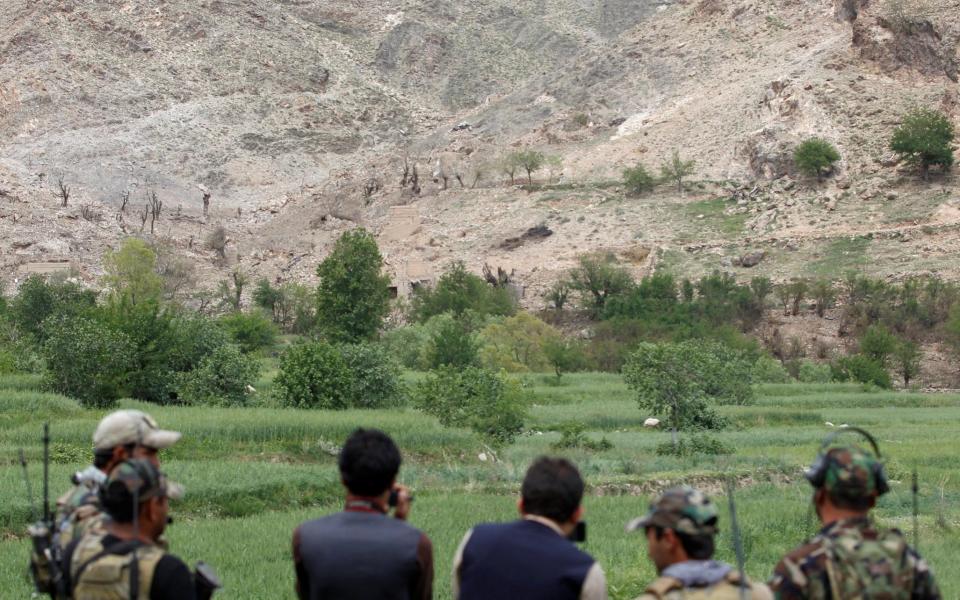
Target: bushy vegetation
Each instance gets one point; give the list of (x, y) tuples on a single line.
[(693, 445), (815, 157), (480, 399), (924, 139), (376, 376), (293, 307), (251, 331), (314, 375), (224, 377), (353, 297), (638, 180), (457, 292)]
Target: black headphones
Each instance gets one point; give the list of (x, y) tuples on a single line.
[(816, 474)]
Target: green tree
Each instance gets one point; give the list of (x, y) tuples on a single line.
[(597, 278), (86, 360), (815, 157), (314, 375), (376, 376), (251, 331), (878, 344), (823, 294), (272, 300), (453, 344), (530, 161), (558, 294), (353, 297), (459, 291), (638, 180), (477, 398), (563, 355), (676, 169), (131, 273), (666, 379), (40, 298), (906, 359), (220, 379), (509, 164), (924, 140), (516, 343)]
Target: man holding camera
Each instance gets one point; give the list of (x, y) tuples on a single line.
[(680, 529), (125, 561), (533, 558), (361, 552)]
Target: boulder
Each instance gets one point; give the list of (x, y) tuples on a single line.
[(752, 259), (651, 423)]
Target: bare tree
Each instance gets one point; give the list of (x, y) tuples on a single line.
[(155, 205), (64, 192), (144, 215), (231, 290), (217, 241), (124, 199), (206, 203)]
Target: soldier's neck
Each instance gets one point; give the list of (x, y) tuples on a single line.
[(125, 532), (831, 514)]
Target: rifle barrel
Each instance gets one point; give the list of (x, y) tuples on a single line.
[(737, 542), (46, 473)]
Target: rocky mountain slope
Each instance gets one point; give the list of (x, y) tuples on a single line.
[(297, 118)]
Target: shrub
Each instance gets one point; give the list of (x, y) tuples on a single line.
[(676, 169), (815, 157), (814, 372), (452, 343), (221, 378), (39, 299), (251, 331), (406, 345), (924, 139), (564, 355), (353, 297), (638, 180), (597, 278), (476, 398), (131, 273), (375, 375), (695, 444), (314, 375), (530, 161), (877, 344), (458, 291), (863, 369), (906, 358), (573, 436), (86, 360), (517, 344), (770, 370)]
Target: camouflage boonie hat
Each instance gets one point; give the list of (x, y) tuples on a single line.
[(849, 472), (140, 476), (683, 509)]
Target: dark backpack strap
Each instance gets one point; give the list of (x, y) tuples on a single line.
[(120, 548)]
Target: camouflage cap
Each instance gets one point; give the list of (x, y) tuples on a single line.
[(141, 477), (849, 472), (683, 509)]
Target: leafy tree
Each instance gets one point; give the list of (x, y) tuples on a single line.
[(815, 157), (676, 169), (477, 398), (924, 140), (353, 297), (906, 358), (509, 164), (406, 345), (40, 298), (558, 294), (878, 344), (453, 344), (863, 369), (563, 355), (761, 287), (376, 376), (220, 379), (131, 273), (230, 290), (270, 299), (554, 164), (251, 331), (597, 278), (638, 180), (86, 360), (769, 370), (314, 375), (459, 291), (530, 161), (797, 290), (666, 379), (516, 343)]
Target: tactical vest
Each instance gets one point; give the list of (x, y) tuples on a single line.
[(862, 569), (97, 574), (669, 588)]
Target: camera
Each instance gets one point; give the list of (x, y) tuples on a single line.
[(579, 533)]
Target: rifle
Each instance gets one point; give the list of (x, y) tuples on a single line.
[(206, 581), (916, 511), (737, 542)]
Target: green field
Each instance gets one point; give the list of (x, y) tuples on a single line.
[(253, 474)]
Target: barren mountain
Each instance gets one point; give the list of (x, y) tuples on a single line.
[(298, 116)]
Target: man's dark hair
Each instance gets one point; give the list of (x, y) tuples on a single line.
[(697, 547), (103, 456), (859, 503), (369, 462), (552, 488)]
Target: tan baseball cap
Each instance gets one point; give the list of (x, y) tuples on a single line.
[(123, 427)]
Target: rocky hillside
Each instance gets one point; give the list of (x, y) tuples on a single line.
[(297, 117)]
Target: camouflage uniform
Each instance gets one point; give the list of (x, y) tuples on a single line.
[(79, 512), (689, 511), (850, 559)]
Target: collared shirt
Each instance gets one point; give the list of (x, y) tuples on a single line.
[(594, 586)]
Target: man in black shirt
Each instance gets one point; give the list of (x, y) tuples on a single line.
[(103, 566), (361, 552)]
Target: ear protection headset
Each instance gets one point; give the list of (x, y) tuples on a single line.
[(816, 474)]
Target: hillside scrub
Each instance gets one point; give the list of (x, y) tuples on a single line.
[(924, 139), (815, 157), (458, 291)]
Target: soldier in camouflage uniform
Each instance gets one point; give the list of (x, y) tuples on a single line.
[(680, 528), (850, 559), (121, 435)]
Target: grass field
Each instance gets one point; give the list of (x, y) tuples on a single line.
[(253, 474)]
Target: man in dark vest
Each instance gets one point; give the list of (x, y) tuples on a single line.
[(362, 552), (532, 559)]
